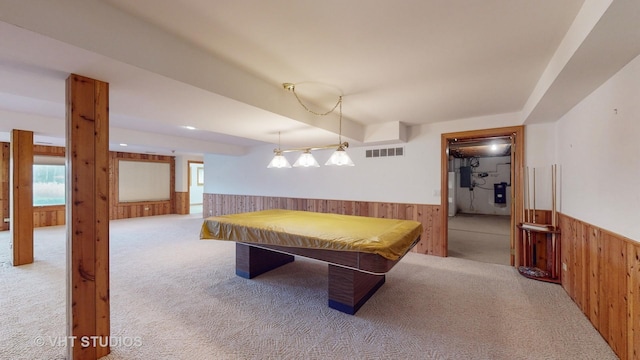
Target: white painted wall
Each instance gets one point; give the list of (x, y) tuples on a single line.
[(182, 171), (541, 137), (599, 154), (540, 154), (412, 178), (399, 178)]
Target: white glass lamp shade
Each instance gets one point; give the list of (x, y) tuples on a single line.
[(306, 159), (279, 162), (339, 158)]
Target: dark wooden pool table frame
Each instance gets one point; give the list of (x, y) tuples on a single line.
[(353, 276)]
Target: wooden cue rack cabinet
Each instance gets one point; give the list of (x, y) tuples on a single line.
[(533, 259)]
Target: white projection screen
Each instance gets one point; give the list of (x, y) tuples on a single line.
[(143, 181)]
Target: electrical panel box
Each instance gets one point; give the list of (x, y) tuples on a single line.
[(500, 193), (465, 176)]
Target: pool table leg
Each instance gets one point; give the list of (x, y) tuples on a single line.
[(252, 261), (349, 289)]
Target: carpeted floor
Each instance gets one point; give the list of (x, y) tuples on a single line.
[(177, 297)]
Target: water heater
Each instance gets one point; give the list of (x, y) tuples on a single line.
[(453, 209)]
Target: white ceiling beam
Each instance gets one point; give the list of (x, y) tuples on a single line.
[(604, 37), (115, 34)]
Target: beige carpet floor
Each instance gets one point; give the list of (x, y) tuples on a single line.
[(180, 298)]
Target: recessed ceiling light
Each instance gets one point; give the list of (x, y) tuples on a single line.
[(189, 127), (124, 145)]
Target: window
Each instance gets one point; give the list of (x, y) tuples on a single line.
[(48, 184)]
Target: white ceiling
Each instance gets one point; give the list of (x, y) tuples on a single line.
[(219, 65)]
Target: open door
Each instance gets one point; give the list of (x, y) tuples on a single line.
[(196, 186), (516, 134)]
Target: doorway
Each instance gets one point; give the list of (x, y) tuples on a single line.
[(196, 186), (482, 182)]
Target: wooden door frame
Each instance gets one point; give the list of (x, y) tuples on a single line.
[(517, 182), (189, 162)]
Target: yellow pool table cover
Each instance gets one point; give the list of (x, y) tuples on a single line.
[(389, 238)]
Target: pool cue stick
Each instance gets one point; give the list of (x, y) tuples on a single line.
[(525, 195), (531, 217), (554, 175), (554, 264), (534, 195), (527, 238)]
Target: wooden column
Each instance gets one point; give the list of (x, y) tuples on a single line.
[(21, 194), (87, 130)]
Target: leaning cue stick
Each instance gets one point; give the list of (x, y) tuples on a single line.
[(524, 196), (554, 175), (554, 264), (527, 239), (533, 215), (528, 218), (534, 196)]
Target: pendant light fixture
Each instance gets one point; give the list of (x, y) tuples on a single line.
[(340, 156), (306, 159), (279, 161)]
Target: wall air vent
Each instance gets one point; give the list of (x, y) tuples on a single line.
[(385, 152)]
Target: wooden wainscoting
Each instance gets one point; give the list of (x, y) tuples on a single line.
[(51, 215), (54, 215), (182, 202), (602, 276), (127, 210), (428, 215), (140, 209), (4, 185)]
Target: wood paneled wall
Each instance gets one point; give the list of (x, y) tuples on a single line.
[(51, 215), (602, 276), (182, 202), (142, 208), (55, 215), (48, 150), (4, 185), (429, 215)]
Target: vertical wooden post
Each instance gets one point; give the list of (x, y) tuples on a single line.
[(21, 195), (87, 130)]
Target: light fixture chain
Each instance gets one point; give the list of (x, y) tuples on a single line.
[(338, 158), (313, 112)]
